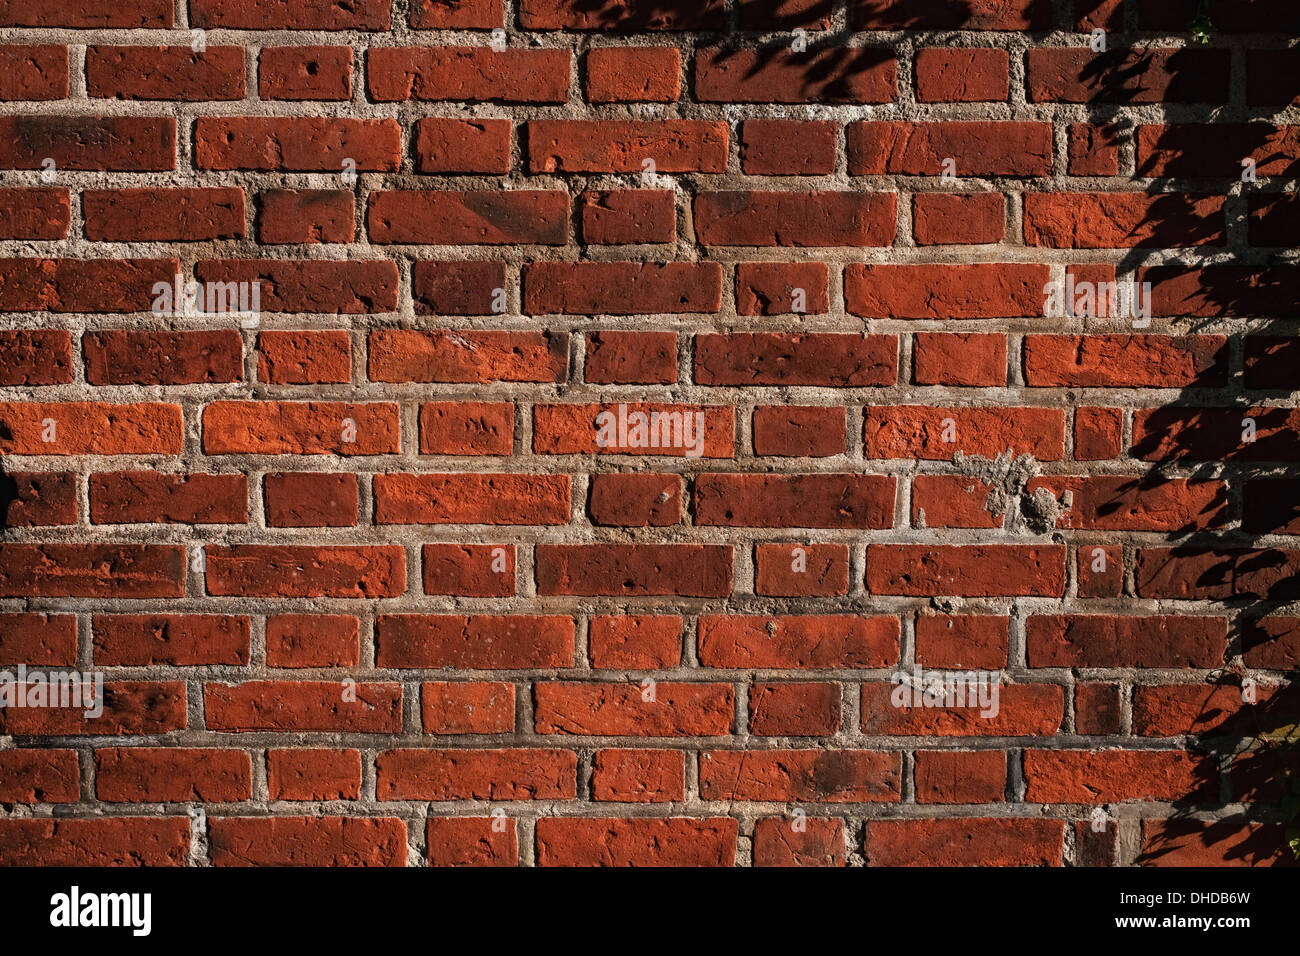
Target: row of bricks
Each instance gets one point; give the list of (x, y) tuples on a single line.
[(644, 74), (653, 642), (948, 292), (98, 570), (644, 841), (648, 709), (638, 500), (1012, 148), (1168, 16), (212, 775), (35, 357), (675, 431), (1077, 220)]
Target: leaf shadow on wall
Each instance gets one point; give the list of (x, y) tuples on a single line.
[(1249, 293)]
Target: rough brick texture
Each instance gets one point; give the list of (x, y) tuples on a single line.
[(553, 453)]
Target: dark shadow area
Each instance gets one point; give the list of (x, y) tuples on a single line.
[(8, 495)]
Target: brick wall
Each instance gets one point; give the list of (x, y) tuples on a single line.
[(391, 571)]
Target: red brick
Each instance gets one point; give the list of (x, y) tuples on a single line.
[(795, 501), (622, 146), (304, 706), (1104, 640), (290, 14), (328, 286), (1097, 709), (475, 642), (799, 430), (129, 14), (638, 776), (959, 358), (956, 75), (633, 570), (1093, 149), (635, 500), (38, 639), (622, 16), (130, 707), (291, 216), (177, 640), (794, 710), (310, 500), (468, 74), (82, 285), (919, 431), (296, 143), (172, 775), (797, 641), (1024, 710), (153, 497), (788, 147), (38, 498), (768, 288), (595, 429), (101, 841), (34, 214), (306, 841), (463, 145), (163, 358), (671, 841), (622, 288), (1097, 433), (304, 357), (305, 73), (824, 75), (628, 216), (412, 355), (532, 774), (953, 219), (39, 776), (961, 776), (980, 148), (751, 218), (355, 571), (165, 72), (92, 570), (634, 641), (312, 640), (472, 841), (504, 218), (109, 143), (34, 72), (983, 291), (300, 428), (954, 501), (472, 499), (460, 708), (631, 358), (457, 15), (964, 842), (313, 774), (974, 570), (962, 641), (812, 358), (798, 841), (633, 74), (623, 709), (1078, 75), (466, 428), (459, 288), (469, 570), (783, 571), (819, 776), (1113, 776)]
